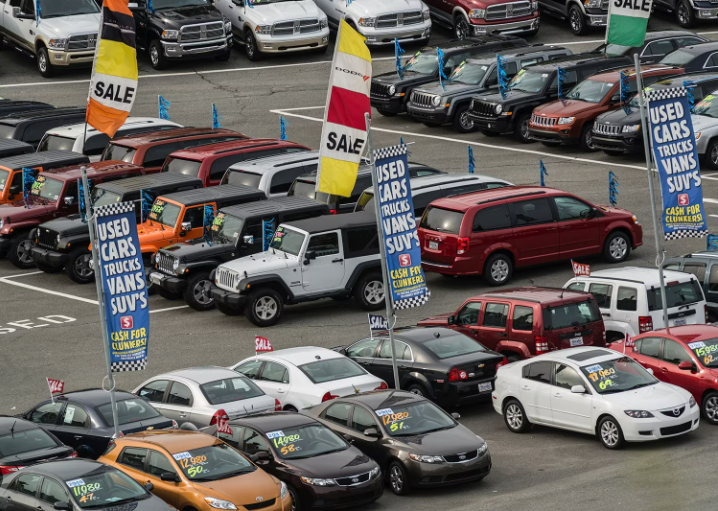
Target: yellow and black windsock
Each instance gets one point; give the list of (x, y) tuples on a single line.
[(114, 74)]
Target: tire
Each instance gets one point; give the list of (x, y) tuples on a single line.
[(609, 433), (47, 268), (229, 311), (521, 130), (461, 121), (168, 295), (157, 57), (489, 133), (19, 253), (250, 46), (386, 113), (462, 28), (419, 390), (198, 293), (78, 268), (264, 307), (711, 158), (398, 479), (615, 152), (576, 21), (616, 248), (515, 417), (296, 499), (290, 408), (498, 269), (44, 66), (685, 16), (551, 144), (586, 140), (225, 56), (369, 292), (709, 408)]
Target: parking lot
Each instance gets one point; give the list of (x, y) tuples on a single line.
[(49, 326)]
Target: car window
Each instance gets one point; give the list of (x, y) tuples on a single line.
[(495, 315), (254, 441), (180, 394), (159, 464), (567, 377), (442, 220), (134, 457), (363, 349), (469, 314), (674, 353), (650, 347), (453, 191), (539, 371), (492, 186), (672, 266), (686, 41), (128, 410), (495, 217), (571, 209), (230, 390), (531, 212), (523, 318), (571, 315), (282, 180), (658, 48), (47, 413), (712, 61), (577, 286), (403, 352), (155, 156), (697, 269), (75, 416), (626, 299), (338, 413), (324, 244), (250, 368), (17, 442), (361, 420), (713, 278), (154, 391), (26, 484), (52, 492), (602, 293), (275, 372), (195, 216)]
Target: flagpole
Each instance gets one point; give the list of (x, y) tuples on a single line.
[(647, 148), (92, 224), (380, 234)]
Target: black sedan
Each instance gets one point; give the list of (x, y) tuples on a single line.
[(320, 468), (439, 363), (416, 443), (83, 419), (23, 443), (75, 484), (694, 58)]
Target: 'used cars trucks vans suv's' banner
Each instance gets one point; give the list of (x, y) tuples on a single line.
[(401, 241), (676, 156), (124, 286), (627, 22)]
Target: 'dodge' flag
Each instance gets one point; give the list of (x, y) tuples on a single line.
[(114, 74), (344, 131)]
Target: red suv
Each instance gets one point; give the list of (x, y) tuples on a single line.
[(527, 321), (686, 356), (493, 231)]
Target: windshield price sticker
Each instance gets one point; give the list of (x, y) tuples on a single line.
[(603, 376), (275, 434), (696, 345), (594, 368), (385, 411), (181, 456), (708, 352), (285, 443), (74, 483), (218, 221), (395, 421), (37, 185), (86, 491), (193, 465), (157, 208)]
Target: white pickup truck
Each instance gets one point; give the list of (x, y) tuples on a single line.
[(65, 33)]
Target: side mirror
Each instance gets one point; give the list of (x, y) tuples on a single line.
[(451, 320), (686, 366), (578, 389), (61, 506), (455, 416), (15, 189), (371, 432), (149, 486), (133, 5), (311, 255), (248, 240), (68, 201), (170, 476), (186, 226), (348, 438), (615, 98)]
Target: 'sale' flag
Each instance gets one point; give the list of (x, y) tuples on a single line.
[(113, 87), (262, 344), (56, 386), (627, 22)]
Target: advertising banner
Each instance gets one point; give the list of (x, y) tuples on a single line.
[(377, 323), (581, 269), (401, 241), (124, 285), (262, 344), (627, 22), (676, 157)]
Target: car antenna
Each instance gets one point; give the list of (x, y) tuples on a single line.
[(12, 429)]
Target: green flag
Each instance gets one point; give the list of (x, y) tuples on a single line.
[(627, 21)]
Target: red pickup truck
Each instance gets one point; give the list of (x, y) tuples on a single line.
[(469, 18)]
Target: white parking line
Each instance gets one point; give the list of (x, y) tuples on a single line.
[(23, 274), (170, 309)]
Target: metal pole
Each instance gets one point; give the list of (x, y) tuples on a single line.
[(385, 273), (92, 224), (647, 148)]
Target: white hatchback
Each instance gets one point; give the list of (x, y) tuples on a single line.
[(303, 377), (595, 391)]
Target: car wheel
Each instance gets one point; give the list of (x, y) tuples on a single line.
[(461, 121), (498, 269), (418, 390), (521, 131), (386, 113), (78, 268), (684, 15), (168, 295), (264, 307), (398, 479), (712, 154), (369, 292), (19, 253), (290, 408), (515, 417), (250, 46), (610, 434), (613, 152), (198, 293), (617, 247), (44, 66), (224, 57), (227, 310), (296, 499), (157, 56), (462, 29), (586, 141), (709, 407), (577, 21)]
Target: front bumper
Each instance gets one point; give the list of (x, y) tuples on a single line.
[(440, 474), (629, 142), (70, 58), (4, 243), (706, 14), (288, 44), (229, 299), (498, 124), (393, 104), (438, 115), (645, 430), (211, 48), (562, 135), (49, 257), (405, 34), (514, 27), (335, 497), (167, 282)]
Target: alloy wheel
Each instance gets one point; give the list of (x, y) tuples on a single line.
[(396, 478), (514, 417), (42, 62), (374, 292), (154, 56), (250, 46), (23, 252), (465, 122), (202, 292), (82, 266), (711, 409), (609, 433), (525, 130), (714, 156), (618, 248), (589, 139), (266, 308), (462, 29), (576, 21), (500, 270), (683, 16)]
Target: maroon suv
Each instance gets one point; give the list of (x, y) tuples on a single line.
[(470, 18), (490, 232)]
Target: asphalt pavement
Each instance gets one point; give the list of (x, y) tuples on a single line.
[(49, 326)]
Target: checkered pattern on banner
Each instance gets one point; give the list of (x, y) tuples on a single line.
[(676, 235), (389, 152), (131, 365), (658, 95), (413, 302), (118, 208)]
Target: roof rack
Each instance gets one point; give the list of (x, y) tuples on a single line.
[(266, 144), (511, 196)]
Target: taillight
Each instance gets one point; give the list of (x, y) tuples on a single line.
[(219, 414), (462, 245), (174, 424), (457, 375), (277, 405), (645, 324), (541, 345), (328, 397), (73, 455), (502, 363), (332, 211), (382, 386), (6, 470)]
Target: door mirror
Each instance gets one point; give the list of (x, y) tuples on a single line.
[(170, 476), (239, 3), (61, 506), (261, 456), (309, 255), (451, 320), (686, 366), (17, 13), (372, 432), (15, 189), (588, 213), (615, 98), (650, 371), (186, 226), (248, 240), (348, 438), (149, 486), (68, 201), (455, 416), (578, 389), (133, 5)]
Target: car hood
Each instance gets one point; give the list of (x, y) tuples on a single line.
[(262, 263), (703, 122), (654, 397), (197, 249), (37, 456), (612, 210), (67, 226), (274, 12), (71, 25), (620, 117), (242, 489), (193, 13), (150, 231), (439, 443), (513, 97), (348, 462), (411, 79), (564, 108), (378, 7), (19, 213), (450, 89)]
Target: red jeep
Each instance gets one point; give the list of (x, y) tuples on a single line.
[(469, 18)]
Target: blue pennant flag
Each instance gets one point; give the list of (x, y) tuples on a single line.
[(625, 92), (29, 176), (544, 172), (208, 221), (472, 161), (442, 74), (150, 7), (215, 117), (713, 242), (561, 78), (268, 228), (688, 85), (146, 204), (398, 52), (612, 189), (37, 12), (81, 198), (401, 142), (164, 108), (282, 128), (501, 63), (250, 4)]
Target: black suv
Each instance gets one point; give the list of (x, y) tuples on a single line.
[(434, 105), (533, 86), (582, 15), (31, 126), (390, 94), (9, 106), (173, 30), (704, 265), (656, 45), (689, 12)]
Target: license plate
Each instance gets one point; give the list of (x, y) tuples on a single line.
[(577, 341), (679, 322), (434, 245), (485, 387), (156, 278)]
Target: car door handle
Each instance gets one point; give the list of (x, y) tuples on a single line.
[(565, 228), (605, 315), (365, 363), (551, 229), (664, 369), (280, 391), (183, 414), (556, 394), (337, 260), (403, 367), (525, 387)]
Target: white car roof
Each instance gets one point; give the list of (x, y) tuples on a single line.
[(639, 275), (579, 356), (76, 130), (302, 355), (447, 181), (274, 163), (204, 374)]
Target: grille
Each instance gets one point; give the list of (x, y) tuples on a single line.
[(670, 413), (379, 89), (505, 11), (457, 458), (349, 481), (466, 475), (482, 108), (46, 238), (543, 121), (604, 5), (82, 42), (227, 278), (673, 430), (606, 129), (201, 32), (398, 19), (421, 99), (308, 26), (260, 505), (164, 263)]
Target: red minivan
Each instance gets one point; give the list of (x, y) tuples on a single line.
[(491, 232), (523, 322)]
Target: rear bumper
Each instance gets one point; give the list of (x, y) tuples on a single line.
[(49, 257), (459, 393), (552, 136), (460, 266), (228, 298)]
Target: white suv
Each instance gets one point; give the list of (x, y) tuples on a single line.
[(276, 26), (630, 299)]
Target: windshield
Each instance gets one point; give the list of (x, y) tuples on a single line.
[(423, 62), (678, 58), (333, 369), (47, 188), (287, 240), (414, 419), (118, 152), (708, 106), (128, 411), (55, 9), (305, 441), (530, 80), (448, 346), (7, 130), (470, 74), (617, 375), (218, 461), (4, 177), (706, 351), (241, 177), (226, 228), (442, 220), (182, 167), (365, 202), (103, 487), (302, 189), (230, 390), (51, 142), (615, 50), (102, 197), (173, 4), (591, 91), (571, 315), (164, 212), (679, 294), (25, 441)]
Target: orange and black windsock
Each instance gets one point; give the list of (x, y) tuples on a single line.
[(114, 75)]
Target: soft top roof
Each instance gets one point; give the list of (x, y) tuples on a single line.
[(18, 117), (12, 144), (149, 182), (335, 222), (200, 195), (576, 60), (273, 206), (19, 161)]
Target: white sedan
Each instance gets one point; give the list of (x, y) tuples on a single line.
[(595, 391), (304, 377)]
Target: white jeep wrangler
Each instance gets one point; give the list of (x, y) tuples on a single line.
[(325, 257)]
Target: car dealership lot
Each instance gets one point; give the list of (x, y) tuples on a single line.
[(543, 469)]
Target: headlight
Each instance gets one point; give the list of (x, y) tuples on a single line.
[(436, 101), (691, 402), (374, 472), (175, 264), (171, 34), (392, 90), (283, 490), (426, 459), (367, 22), (638, 414), (534, 6), (2, 222), (57, 240), (263, 29), (323, 23), (477, 14), (566, 120), (592, 4), (57, 44), (484, 447), (227, 27), (314, 481), (698, 135), (426, 14), (631, 128), (219, 504), (498, 109)]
